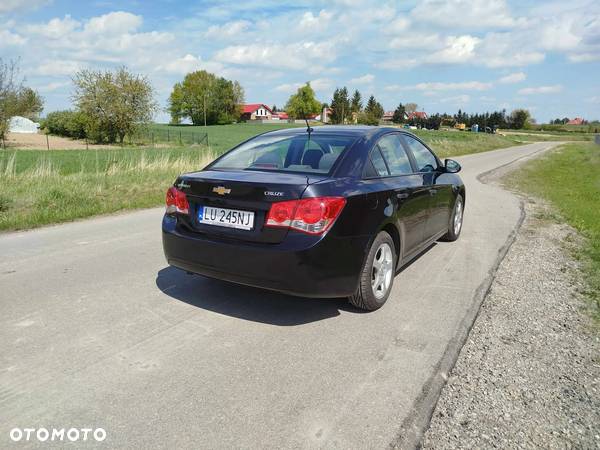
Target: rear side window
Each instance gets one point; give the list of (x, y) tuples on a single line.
[(426, 161), (378, 164), (299, 153), (395, 156)]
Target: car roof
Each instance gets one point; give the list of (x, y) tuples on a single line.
[(337, 130)]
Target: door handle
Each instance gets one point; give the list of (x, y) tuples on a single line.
[(401, 195), (432, 192)]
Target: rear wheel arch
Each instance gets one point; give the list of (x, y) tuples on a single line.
[(392, 230)]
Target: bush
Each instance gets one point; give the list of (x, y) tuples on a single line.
[(67, 123), (367, 119)]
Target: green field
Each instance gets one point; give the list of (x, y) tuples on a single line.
[(41, 187), (220, 137), (569, 179)]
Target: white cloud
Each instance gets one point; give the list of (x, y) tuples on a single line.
[(8, 38), (302, 55), (365, 79), (57, 68), (516, 77), (55, 28), (474, 14), (508, 50), (53, 86), (416, 41), (541, 90), (464, 85), (457, 100), (114, 22), (189, 63), (458, 49), (7, 6), (318, 84), (228, 30), (312, 23), (397, 26)]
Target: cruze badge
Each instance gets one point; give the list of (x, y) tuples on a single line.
[(274, 193), (221, 190), (182, 184)]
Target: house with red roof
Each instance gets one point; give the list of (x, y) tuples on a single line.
[(256, 111), (416, 115), (575, 121), (280, 115), (387, 117)]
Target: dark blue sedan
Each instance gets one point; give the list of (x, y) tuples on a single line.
[(332, 211)]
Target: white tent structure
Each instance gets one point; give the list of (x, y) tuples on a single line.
[(20, 124)]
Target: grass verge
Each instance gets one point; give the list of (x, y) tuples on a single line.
[(44, 187), (569, 178)]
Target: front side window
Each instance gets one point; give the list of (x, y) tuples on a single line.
[(426, 161), (299, 153)]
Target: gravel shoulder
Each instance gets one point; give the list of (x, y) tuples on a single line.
[(529, 374)]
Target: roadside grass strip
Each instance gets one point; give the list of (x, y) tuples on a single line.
[(569, 178)]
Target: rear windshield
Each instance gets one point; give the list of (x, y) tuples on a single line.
[(300, 153)]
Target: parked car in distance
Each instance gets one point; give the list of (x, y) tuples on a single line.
[(332, 211)]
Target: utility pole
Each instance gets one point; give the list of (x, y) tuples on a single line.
[(204, 109)]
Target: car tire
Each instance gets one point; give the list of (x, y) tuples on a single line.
[(377, 275), (456, 220)]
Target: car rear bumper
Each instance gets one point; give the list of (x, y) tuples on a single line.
[(301, 265)]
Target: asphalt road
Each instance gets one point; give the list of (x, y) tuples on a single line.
[(97, 331)]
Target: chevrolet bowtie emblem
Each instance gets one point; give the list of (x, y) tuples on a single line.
[(221, 190)]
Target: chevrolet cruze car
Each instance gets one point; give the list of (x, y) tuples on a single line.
[(333, 211)]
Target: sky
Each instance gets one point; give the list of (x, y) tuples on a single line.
[(476, 55)]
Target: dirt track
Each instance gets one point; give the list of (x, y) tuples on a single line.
[(38, 142)]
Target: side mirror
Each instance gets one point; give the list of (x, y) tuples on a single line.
[(451, 166)]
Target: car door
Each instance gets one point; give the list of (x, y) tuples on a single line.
[(430, 169), (400, 191)]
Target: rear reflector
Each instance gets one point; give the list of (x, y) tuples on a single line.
[(177, 201), (309, 215)]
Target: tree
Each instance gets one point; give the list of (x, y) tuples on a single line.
[(372, 113), (410, 108), (399, 113), (303, 103), (356, 103), (116, 103), (15, 99), (205, 98), (340, 105), (374, 108), (519, 119), (30, 103)]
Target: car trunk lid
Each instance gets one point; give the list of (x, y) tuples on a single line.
[(240, 190)]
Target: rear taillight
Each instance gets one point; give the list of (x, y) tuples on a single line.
[(310, 215), (177, 201)]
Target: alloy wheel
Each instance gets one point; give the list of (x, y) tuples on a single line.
[(382, 271)]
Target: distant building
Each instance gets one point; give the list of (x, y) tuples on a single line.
[(280, 115), (575, 121), (18, 124), (387, 117), (416, 115), (325, 115), (256, 111)]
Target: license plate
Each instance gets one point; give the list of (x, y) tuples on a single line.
[(232, 218)]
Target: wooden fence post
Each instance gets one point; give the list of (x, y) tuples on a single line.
[(47, 142)]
